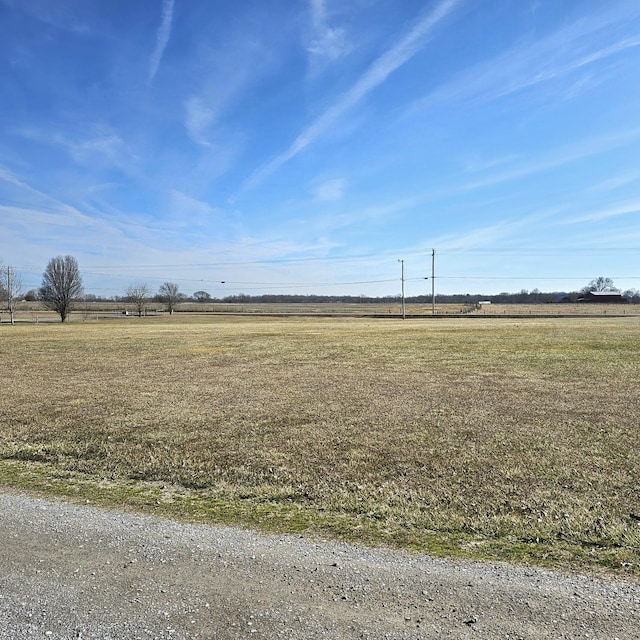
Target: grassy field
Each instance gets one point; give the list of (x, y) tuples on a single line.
[(35, 312), (492, 438)]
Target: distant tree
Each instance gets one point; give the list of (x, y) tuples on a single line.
[(61, 285), (169, 293), (632, 295), (3, 293), (12, 289), (599, 284), (240, 297), (202, 296), (31, 295), (138, 295)]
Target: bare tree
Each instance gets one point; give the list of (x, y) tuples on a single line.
[(169, 294), (600, 284), (202, 296), (11, 289), (61, 285), (138, 295)]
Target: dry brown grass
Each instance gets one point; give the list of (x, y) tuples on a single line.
[(490, 438), (34, 312)]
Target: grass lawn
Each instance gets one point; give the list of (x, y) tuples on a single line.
[(486, 438)]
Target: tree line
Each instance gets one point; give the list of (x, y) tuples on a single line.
[(62, 290)]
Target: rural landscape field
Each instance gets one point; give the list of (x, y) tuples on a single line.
[(491, 438), (103, 310)]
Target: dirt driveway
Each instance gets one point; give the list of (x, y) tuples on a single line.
[(77, 572)]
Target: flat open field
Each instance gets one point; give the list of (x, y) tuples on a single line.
[(35, 312), (492, 438)]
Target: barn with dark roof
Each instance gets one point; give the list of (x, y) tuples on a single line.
[(602, 296)]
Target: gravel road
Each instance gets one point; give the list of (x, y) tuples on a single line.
[(71, 571)]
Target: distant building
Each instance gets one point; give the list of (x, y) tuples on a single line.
[(561, 299), (602, 296)]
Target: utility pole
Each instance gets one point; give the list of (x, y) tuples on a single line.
[(433, 282), (403, 309)]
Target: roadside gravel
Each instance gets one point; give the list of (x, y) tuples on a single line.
[(70, 571)]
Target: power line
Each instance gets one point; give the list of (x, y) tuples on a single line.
[(110, 271), (529, 277)]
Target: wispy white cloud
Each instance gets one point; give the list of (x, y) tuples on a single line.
[(483, 174), (31, 217), (476, 164), (55, 226), (198, 119), (189, 211), (36, 200), (59, 15), (330, 190), (162, 38), (8, 176), (490, 173), (556, 158), (52, 226), (553, 71), (405, 49), (326, 43), (496, 233), (623, 238), (53, 221), (615, 211), (356, 216), (583, 83), (226, 70), (574, 47), (521, 227), (610, 184), (99, 140)]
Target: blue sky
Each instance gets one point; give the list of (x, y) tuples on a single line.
[(306, 146)]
